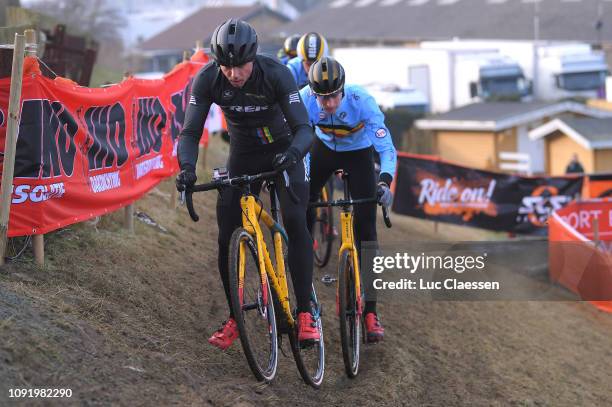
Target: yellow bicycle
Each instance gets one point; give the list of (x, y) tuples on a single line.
[(349, 295), (259, 289)]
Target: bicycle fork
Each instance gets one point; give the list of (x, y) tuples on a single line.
[(348, 244)]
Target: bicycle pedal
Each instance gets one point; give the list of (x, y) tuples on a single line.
[(328, 280)]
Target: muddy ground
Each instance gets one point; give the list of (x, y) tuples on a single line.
[(123, 320)]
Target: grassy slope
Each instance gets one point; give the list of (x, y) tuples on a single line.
[(123, 319)]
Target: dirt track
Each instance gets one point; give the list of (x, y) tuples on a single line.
[(124, 320)]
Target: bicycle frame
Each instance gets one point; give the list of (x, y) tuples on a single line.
[(251, 210), (252, 213)]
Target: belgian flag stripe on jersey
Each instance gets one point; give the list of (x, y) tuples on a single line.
[(340, 130)]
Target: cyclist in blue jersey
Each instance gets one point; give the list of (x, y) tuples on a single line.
[(310, 48), (349, 126), (289, 49)]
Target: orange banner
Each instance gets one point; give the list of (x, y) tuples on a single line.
[(83, 152), (597, 186), (575, 260)]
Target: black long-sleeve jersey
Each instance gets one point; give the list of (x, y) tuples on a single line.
[(266, 110)]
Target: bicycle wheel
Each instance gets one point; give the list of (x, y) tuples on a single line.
[(323, 232), (310, 358), (350, 326), (253, 307)]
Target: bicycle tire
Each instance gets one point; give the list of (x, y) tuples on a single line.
[(316, 352), (323, 231), (350, 324), (264, 310)]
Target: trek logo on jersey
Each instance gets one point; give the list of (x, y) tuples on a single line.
[(342, 115), (247, 109), (322, 115), (294, 98), (381, 133), (192, 100), (228, 94)]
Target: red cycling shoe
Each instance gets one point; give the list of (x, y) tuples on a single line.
[(226, 335), (374, 330), (307, 328)]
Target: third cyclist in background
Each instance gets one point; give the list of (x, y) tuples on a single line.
[(289, 49), (310, 48)]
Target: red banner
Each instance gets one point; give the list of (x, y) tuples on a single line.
[(83, 152), (575, 260)]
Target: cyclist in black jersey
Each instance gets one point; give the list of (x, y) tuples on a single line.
[(269, 130)]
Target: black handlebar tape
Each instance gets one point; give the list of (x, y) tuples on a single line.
[(386, 217), (189, 202)]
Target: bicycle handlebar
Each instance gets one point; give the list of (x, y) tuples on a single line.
[(386, 217), (349, 202), (242, 180)]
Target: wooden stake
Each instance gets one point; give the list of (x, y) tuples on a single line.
[(10, 143), (128, 219), (173, 196), (38, 245)]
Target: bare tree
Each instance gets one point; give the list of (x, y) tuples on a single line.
[(3, 5), (95, 18)]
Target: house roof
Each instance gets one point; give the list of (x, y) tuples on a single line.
[(591, 133), (416, 20), (201, 24), (498, 116)]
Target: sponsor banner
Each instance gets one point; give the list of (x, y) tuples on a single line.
[(577, 261), (82, 152), (598, 186), (432, 189), (582, 217)]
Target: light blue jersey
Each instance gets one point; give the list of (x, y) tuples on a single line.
[(297, 70), (357, 123)]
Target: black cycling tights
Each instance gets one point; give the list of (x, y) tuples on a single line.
[(362, 184), (229, 217)]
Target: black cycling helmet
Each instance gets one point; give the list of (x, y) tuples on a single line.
[(290, 45), (233, 43), (311, 47), (326, 76)]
